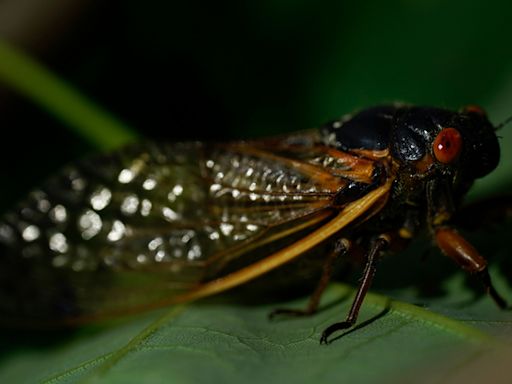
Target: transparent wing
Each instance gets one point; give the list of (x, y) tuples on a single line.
[(127, 229)]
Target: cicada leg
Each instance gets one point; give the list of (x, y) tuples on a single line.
[(453, 245), (372, 257), (341, 248)]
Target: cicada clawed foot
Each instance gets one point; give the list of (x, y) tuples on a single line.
[(333, 328), (378, 245), (485, 278)]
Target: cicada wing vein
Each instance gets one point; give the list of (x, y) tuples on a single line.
[(344, 218)]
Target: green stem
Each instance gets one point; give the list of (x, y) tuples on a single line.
[(44, 88)]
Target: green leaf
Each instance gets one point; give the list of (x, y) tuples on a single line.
[(212, 342)]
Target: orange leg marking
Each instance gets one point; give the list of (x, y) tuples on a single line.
[(463, 253)]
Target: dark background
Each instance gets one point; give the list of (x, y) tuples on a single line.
[(236, 69)]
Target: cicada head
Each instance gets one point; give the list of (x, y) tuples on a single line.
[(424, 141), (440, 154), (435, 152), (438, 141)]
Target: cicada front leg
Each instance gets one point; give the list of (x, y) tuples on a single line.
[(341, 248), (374, 254), (453, 245)]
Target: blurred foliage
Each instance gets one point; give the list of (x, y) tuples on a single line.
[(237, 69), (44, 88)]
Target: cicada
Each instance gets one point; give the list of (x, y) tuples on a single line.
[(155, 224)]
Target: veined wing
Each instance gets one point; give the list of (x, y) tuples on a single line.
[(148, 222)]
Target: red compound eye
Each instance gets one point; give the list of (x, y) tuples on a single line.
[(447, 145)]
